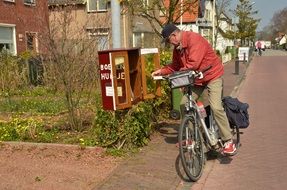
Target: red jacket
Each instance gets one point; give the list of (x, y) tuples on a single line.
[(196, 54)]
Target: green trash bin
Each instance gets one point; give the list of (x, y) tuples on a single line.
[(176, 96)]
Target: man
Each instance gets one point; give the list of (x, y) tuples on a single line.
[(259, 47), (192, 51)]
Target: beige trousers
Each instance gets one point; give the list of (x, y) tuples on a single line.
[(215, 90)]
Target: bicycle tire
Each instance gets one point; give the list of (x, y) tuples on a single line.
[(191, 149)]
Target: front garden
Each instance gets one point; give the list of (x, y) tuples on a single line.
[(63, 107)]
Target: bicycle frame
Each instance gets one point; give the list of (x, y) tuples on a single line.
[(193, 111), (186, 79)]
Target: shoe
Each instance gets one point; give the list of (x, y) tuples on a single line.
[(185, 143), (229, 148)]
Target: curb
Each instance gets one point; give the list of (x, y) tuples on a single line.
[(44, 145)]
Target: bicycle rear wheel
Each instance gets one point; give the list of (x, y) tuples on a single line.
[(191, 149), (236, 137)]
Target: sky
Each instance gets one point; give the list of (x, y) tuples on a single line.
[(266, 9)]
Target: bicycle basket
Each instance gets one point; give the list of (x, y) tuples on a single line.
[(180, 80)]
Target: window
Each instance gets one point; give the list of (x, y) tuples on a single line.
[(8, 39), (10, 0), (207, 15), (137, 39), (144, 39), (162, 12), (96, 5), (207, 34), (101, 35), (145, 3), (30, 2)]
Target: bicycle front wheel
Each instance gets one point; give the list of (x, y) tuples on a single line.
[(191, 148)]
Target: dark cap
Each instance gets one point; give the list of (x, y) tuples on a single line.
[(167, 31)]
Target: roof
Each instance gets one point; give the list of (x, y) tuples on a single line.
[(66, 2)]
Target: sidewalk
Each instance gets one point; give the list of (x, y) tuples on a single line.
[(260, 163), (157, 165)]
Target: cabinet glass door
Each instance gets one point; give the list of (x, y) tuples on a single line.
[(121, 80)]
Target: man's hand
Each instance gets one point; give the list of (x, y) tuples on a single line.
[(156, 73)]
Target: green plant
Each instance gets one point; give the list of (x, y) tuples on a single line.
[(165, 57), (8, 132), (227, 50), (106, 128), (38, 105), (116, 152), (21, 129), (149, 68), (127, 128), (10, 73), (137, 125)]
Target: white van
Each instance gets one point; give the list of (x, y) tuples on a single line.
[(267, 44)]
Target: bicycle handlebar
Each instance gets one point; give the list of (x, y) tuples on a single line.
[(182, 78), (185, 73), (178, 74)]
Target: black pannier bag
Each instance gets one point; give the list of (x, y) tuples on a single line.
[(236, 112)]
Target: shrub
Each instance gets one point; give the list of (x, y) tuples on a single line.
[(129, 128), (137, 124), (106, 128)]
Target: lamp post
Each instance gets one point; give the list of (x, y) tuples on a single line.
[(213, 23), (116, 22), (181, 12), (234, 36)]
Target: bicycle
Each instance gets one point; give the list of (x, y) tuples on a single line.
[(197, 134), (259, 51)]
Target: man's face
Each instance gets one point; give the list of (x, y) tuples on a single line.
[(174, 39)]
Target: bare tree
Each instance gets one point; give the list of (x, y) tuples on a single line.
[(266, 34), (279, 22), (170, 10), (70, 61)]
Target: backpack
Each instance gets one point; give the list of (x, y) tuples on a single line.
[(236, 112)]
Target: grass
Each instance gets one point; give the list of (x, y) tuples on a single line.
[(40, 115), (38, 100), (35, 105)]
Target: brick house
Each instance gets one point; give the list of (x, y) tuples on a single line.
[(22, 22), (95, 20), (187, 20), (200, 18), (88, 17)]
